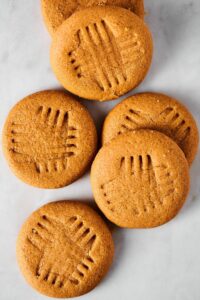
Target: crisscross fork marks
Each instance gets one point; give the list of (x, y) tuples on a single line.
[(167, 182), (73, 240), (76, 64), (101, 44), (180, 128), (139, 179), (88, 68), (102, 77), (133, 119), (130, 44), (53, 127), (52, 117), (112, 51)]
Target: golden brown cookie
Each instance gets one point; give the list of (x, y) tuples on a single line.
[(64, 249), (140, 179), (49, 139), (154, 111), (107, 52), (55, 12)]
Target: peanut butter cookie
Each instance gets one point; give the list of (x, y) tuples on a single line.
[(158, 112), (55, 12), (107, 52), (64, 249), (140, 179), (49, 139)]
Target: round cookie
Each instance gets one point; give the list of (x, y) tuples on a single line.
[(140, 179), (49, 139), (64, 249), (154, 111), (55, 12), (107, 52)]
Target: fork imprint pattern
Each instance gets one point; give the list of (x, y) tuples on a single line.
[(149, 186), (74, 241), (176, 122), (48, 142), (103, 55)]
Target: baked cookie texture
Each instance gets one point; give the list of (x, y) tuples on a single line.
[(49, 139), (140, 179), (154, 111), (55, 12), (64, 249), (107, 52)]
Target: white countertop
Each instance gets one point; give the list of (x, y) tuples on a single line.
[(155, 264)]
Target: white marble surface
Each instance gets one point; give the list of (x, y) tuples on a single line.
[(161, 263)]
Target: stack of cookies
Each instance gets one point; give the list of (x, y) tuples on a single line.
[(140, 176)]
